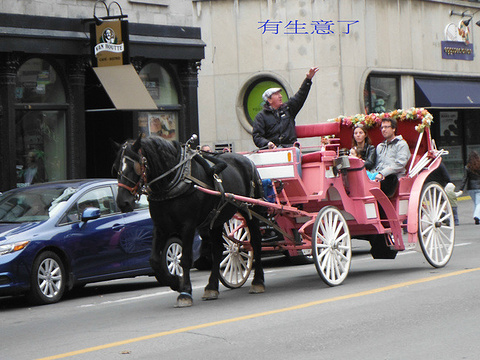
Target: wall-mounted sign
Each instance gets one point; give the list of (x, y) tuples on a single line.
[(109, 42), (457, 50)]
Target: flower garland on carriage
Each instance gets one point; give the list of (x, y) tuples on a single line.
[(375, 119)]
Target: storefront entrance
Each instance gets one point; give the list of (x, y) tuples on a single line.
[(101, 128)]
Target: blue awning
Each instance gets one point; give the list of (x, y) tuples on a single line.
[(447, 93)]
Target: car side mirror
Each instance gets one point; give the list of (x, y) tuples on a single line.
[(90, 213)]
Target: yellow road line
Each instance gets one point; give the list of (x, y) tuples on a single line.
[(261, 314)]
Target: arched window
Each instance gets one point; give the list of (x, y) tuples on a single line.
[(162, 89), (253, 102), (39, 123), (381, 93)]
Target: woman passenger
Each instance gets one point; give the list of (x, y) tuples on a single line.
[(362, 147)]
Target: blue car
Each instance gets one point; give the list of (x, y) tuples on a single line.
[(58, 235)]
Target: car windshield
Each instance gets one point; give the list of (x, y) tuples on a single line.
[(33, 204)]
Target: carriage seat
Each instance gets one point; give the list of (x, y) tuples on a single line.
[(317, 130)]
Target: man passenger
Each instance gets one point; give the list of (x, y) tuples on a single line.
[(392, 157)]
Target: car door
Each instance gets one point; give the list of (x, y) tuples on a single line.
[(138, 235), (96, 247)]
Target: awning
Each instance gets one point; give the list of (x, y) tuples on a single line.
[(125, 88), (447, 93)]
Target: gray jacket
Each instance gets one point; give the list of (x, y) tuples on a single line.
[(392, 157)]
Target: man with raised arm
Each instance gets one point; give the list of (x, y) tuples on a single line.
[(275, 124)]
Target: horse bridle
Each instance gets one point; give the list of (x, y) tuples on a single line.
[(139, 187)]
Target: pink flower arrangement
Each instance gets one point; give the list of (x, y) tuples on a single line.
[(374, 119)]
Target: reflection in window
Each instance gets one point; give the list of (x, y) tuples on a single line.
[(381, 94), (253, 101), (101, 198), (40, 138), (37, 82), (159, 84)]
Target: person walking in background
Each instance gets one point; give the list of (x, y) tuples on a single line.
[(452, 197), (471, 181)]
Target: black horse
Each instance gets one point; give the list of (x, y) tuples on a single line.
[(167, 172)]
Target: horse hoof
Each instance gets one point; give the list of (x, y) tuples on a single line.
[(210, 295), (184, 300), (257, 289)]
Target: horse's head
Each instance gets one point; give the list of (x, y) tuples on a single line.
[(130, 168)]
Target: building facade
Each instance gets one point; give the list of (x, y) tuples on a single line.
[(373, 55), (57, 115)]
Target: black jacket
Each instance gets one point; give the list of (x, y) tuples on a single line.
[(369, 154), (471, 180), (278, 126)]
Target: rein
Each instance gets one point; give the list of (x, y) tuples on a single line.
[(143, 186), (186, 157)]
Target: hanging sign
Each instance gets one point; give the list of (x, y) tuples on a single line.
[(457, 45), (109, 41)]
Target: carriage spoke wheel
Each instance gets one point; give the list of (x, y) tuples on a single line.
[(436, 227), (237, 261), (331, 246)]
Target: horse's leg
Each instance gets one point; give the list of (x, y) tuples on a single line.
[(157, 261), (185, 289), (211, 290), (158, 243), (258, 282)]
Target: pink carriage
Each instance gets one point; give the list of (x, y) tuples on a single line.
[(323, 199)]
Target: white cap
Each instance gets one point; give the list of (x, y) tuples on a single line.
[(269, 92)]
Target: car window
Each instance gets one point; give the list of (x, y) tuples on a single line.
[(32, 203), (142, 203), (101, 198)]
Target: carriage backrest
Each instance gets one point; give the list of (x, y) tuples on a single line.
[(344, 133), (316, 130)]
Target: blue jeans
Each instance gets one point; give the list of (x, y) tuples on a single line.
[(455, 215), (475, 195)]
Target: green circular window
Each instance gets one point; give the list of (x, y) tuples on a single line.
[(253, 101)]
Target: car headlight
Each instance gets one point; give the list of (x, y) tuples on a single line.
[(10, 248)]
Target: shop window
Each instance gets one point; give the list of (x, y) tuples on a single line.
[(253, 102), (381, 94), (163, 91), (39, 124), (41, 147), (159, 84), (38, 82), (449, 127)]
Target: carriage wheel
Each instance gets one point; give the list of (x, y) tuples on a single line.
[(331, 246), (237, 261), (436, 227)]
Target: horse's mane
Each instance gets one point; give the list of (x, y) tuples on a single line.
[(161, 154)]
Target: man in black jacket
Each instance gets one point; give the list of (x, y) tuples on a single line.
[(275, 124)]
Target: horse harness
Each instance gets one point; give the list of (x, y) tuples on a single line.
[(180, 184)]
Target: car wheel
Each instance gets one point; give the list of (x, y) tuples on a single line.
[(47, 281), (170, 261)]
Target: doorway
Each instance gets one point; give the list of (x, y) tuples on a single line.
[(103, 127)]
